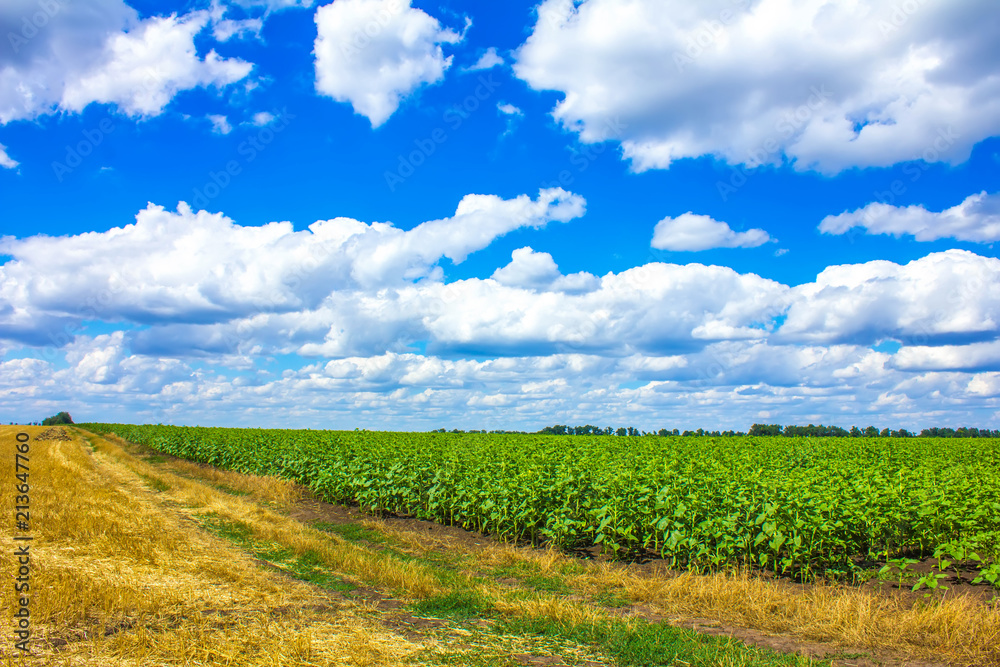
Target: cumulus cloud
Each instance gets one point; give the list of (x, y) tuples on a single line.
[(655, 308), (972, 357), (192, 266), (101, 51), (375, 53), (528, 268), (690, 231), (344, 287), (946, 297), (976, 219), (488, 60), (220, 124), (827, 86), (537, 270), (527, 307), (509, 109), (6, 161), (347, 304)]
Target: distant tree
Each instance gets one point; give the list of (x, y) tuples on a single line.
[(61, 418), (884, 433), (765, 429), (621, 431)]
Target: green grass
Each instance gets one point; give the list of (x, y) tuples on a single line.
[(229, 490), (353, 532), (644, 644), (306, 567), (458, 605), (157, 484), (548, 584), (610, 598)]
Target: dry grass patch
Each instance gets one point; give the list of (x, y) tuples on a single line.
[(116, 579), (262, 487), (351, 561)]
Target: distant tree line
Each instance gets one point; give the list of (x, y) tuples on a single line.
[(810, 431), (871, 432), (456, 430)]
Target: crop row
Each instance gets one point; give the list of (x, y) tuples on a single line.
[(796, 506)]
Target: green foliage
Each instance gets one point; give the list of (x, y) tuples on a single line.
[(644, 644), (351, 532), (456, 604), (796, 506), (56, 420)]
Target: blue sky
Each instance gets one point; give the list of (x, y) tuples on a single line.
[(409, 215)]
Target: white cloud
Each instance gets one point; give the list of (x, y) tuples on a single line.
[(945, 297), (203, 304), (528, 268), (512, 115), (220, 124), (690, 231), (202, 267), (727, 385), (537, 270), (100, 51), (226, 29), (375, 53), (262, 118), (654, 308), (828, 86), (972, 357), (509, 109), (144, 69), (205, 285), (6, 161), (975, 219), (488, 60)]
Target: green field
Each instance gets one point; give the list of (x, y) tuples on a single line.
[(796, 506)]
